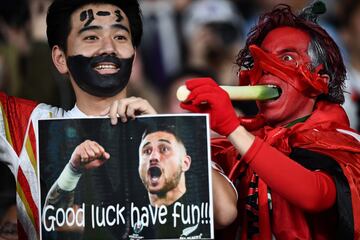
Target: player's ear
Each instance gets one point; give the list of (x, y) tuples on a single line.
[(59, 59), (186, 163)]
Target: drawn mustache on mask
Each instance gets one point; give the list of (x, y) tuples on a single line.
[(91, 81)]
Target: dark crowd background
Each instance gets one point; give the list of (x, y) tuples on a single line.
[(182, 39)]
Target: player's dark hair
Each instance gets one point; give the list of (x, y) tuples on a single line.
[(59, 19), (163, 127)]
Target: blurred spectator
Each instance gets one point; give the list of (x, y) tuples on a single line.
[(14, 46), (267, 5), (213, 30), (327, 21), (14, 43), (8, 224), (160, 46), (140, 86), (245, 7), (26, 69), (8, 219), (259, 6), (180, 5), (350, 31), (41, 81)]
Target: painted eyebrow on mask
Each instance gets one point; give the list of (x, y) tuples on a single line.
[(89, 16), (118, 15), (103, 13)]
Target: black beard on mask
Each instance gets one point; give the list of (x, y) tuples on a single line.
[(94, 83)]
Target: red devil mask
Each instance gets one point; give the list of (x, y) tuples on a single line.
[(286, 58)]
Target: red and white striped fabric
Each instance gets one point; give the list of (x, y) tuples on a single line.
[(18, 130)]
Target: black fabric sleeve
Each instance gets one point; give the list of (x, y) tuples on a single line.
[(316, 161)]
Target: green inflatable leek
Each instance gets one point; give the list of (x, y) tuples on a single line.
[(240, 93)]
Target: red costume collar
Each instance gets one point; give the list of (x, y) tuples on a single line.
[(326, 117)]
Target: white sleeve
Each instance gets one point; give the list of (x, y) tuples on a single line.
[(219, 169), (7, 154)]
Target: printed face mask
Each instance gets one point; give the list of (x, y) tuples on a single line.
[(88, 79)]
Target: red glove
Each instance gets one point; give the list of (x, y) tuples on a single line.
[(207, 97)]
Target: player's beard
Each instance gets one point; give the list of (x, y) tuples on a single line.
[(170, 183), (89, 80)]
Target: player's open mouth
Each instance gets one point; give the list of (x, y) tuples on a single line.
[(154, 173), (106, 68)]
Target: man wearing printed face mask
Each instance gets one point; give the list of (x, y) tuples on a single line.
[(296, 164), (94, 43), (98, 57)]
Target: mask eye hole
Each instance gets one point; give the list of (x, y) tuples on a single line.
[(289, 60)]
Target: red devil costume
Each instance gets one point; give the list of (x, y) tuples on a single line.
[(296, 165)]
